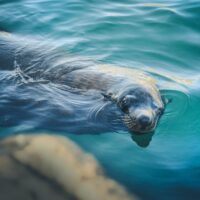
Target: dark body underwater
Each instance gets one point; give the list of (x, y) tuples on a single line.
[(43, 88)]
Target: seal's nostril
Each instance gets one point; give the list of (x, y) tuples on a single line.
[(144, 121)]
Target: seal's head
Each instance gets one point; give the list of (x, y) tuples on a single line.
[(142, 106)]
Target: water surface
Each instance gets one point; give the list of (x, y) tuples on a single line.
[(161, 38)]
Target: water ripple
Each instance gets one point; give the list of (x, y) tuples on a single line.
[(160, 38)]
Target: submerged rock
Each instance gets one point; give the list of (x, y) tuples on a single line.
[(42, 167)]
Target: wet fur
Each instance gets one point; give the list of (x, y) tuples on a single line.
[(111, 81)]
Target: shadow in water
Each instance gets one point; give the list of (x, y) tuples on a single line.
[(142, 140)]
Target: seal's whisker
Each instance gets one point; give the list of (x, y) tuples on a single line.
[(117, 120), (100, 109), (95, 111), (130, 122)]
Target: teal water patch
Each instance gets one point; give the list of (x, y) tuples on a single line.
[(163, 39)]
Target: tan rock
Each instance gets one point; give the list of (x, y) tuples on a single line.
[(47, 167)]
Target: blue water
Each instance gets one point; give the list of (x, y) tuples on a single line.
[(161, 38)]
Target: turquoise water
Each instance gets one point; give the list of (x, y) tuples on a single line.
[(161, 38)]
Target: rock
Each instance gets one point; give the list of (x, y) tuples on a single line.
[(51, 167)]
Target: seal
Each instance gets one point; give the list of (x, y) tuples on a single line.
[(135, 93)]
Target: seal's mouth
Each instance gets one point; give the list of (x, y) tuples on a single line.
[(134, 125)]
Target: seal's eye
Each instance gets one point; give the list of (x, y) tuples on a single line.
[(125, 104), (160, 111), (154, 106)]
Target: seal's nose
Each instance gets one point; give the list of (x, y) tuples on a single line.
[(144, 121)]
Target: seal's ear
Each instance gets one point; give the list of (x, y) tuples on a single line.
[(166, 100), (108, 96)]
